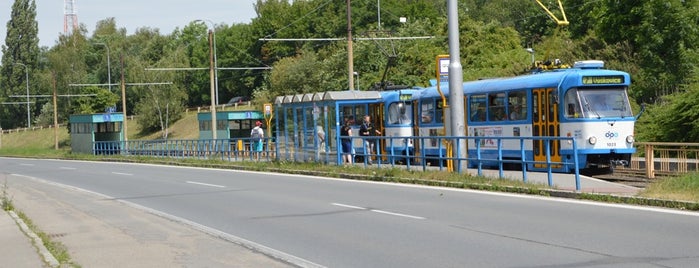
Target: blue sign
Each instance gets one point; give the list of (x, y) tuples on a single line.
[(248, 115)]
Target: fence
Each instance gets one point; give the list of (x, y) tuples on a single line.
[(240, 150), (669, 159), (237, 149)]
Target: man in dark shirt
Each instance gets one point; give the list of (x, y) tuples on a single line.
[(366, 130)]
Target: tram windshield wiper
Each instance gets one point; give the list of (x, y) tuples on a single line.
[(589, 107)]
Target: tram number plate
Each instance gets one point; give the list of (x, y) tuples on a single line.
[(611, 144)]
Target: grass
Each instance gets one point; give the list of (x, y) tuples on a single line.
[(685, 188), (5, 199), (57, 249)]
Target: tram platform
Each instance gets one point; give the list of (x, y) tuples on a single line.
[(563, 181)]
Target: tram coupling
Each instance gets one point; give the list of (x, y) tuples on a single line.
[(619, 162)]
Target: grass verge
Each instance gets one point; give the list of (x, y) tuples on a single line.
[(56, 249)]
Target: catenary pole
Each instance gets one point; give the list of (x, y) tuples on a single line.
[(456, 93)]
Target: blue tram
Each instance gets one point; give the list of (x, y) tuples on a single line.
[(585, 102)]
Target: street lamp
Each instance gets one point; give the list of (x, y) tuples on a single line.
[(357, 75), (26, 77), (531, 51), (109, 68), (213, 30)]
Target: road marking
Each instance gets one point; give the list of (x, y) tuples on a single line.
[(68, 168), (380, 211), (398, 214), (29, 165), (348, 206), (206, 184), (119, 173)]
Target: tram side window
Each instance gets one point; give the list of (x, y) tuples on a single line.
[(427, 111), (496, 107), (572, 104), (359, 112), (477, 108), (400, 113), (517, 105)]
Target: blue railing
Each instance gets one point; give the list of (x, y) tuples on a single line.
[(430, 152), (225, 149)]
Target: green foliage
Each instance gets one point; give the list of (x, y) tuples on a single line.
[(5, 199), (20, 55), (45, 118), (98, 103), (675, 119), (656, 41)]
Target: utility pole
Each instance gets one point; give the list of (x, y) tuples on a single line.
[(213, 85), (350, 56), (123, 99), (55, 112)]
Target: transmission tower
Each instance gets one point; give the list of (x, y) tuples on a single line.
[(70, 16)]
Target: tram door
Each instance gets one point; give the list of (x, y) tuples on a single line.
[(545, 123), (376, 112)]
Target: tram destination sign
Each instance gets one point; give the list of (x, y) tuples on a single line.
[(595, 80)]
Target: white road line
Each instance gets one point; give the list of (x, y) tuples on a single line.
[(68, 168), (379, 211), (206, 184), (119, 173), (348, 206), (398, 214), (29, 165)]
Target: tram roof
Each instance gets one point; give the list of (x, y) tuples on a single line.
[(351, 95), (540, 80), (328, 96)]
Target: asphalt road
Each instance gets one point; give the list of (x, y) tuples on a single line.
[(315, 221)]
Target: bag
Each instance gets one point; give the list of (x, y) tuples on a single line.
[(255, 135)]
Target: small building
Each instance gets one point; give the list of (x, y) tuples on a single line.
[(96, 133), (230, 124)]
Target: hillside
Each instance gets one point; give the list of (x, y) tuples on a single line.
[(42, 139)]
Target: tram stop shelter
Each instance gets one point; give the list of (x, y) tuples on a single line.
[(308, 125), (229, 124), (88, 129)]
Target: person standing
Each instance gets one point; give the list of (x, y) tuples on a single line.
[(346, 140), (367, 130), (256, 137)]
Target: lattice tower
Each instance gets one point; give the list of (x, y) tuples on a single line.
[(70, 16)]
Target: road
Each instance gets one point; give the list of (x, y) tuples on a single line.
[(343, 223)]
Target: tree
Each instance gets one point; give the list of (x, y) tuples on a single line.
[(20, 55), (661, 33)]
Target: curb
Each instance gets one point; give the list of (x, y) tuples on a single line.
[(36, 240)]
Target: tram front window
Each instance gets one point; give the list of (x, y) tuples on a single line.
[(598, 103)]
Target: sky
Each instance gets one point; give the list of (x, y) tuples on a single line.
[(165, 15)]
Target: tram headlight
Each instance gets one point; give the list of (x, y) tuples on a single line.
[(592, 140), (630, 139)]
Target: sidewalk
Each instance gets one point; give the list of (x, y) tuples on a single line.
[(16, 249), (565, 182), (99, 232)]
